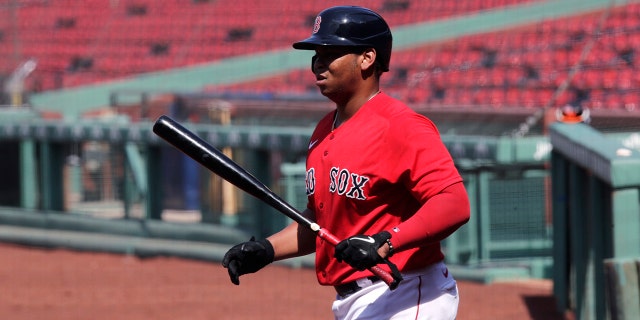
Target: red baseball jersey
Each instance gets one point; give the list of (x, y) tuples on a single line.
[(372, 173)]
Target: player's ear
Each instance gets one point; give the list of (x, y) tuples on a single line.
[(368, 59)]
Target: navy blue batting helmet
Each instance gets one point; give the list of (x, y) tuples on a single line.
[(351, 26)]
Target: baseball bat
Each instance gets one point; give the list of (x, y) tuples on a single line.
[(214, 160)]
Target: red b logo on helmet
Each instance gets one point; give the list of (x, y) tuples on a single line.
[(316, 25)]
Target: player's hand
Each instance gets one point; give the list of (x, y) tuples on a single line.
[(361, 251), (247, 257)]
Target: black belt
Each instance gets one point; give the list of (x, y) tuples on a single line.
[(349, 288)]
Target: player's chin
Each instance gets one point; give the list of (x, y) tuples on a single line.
[(323, 89)]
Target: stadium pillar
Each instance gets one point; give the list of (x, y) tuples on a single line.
[(472, 226), (484, 216), (51, 163), (153, 198), (626, 236), (560, 237), (266, 220), (28, 175), (579, 269)]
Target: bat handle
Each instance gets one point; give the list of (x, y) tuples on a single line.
[(388, 278)]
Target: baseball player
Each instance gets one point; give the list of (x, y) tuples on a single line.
[(378, 176)]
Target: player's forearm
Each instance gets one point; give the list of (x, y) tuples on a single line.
[(437, 219), (293, 241)]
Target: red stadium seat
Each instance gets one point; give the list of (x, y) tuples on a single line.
[(529, 62)]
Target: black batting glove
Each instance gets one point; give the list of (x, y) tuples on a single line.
[(247, 257), (361, 251)]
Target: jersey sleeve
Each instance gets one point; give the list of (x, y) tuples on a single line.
[(424, 164), (427, 170)]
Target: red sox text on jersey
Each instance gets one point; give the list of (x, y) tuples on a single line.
[(341, 181)]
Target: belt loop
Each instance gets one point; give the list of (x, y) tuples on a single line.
[(349, 288)]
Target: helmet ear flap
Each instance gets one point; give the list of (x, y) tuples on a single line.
[(313, 62)]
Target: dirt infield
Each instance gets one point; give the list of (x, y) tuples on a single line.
[(60, 284)]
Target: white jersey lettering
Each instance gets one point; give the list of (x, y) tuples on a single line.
[(310, 181), (351, 185)]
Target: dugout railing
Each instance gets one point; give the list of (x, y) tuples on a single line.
[(508, 236), (596, 219)]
